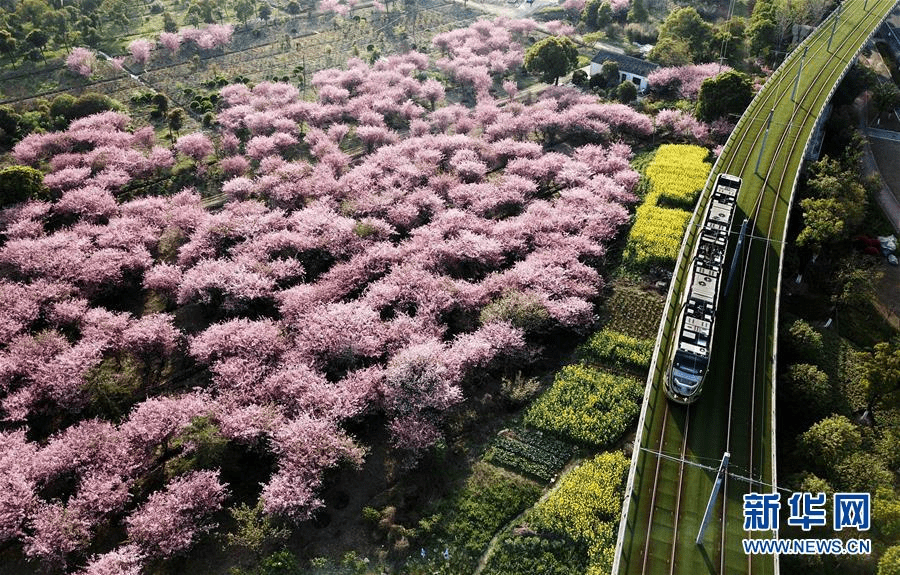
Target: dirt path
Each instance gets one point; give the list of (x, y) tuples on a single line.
[(482, 563)]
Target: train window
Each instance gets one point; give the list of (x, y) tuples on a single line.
[(690, 363)]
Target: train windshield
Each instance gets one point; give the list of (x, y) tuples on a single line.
[(689, 366)]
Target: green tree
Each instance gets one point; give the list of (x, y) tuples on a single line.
[(815, 484), (626, 92), (7, 45), (728, 93), (610, 73), (265, 12), (761, 31), (637, 12), (60, 22), (835, 205), (732, 36), (856, 281), (882, 373), (31, 11), (9, 125), (686, 25), (829, 442), (589, 13), (579, 78), (254, 529), (862, 471), (604, 15), (90, 33), (21, 183), (807, 391), (176, 122), (169, 23), (886, 514), (279, 563), (551, 58), (890, 561), (206, 10), (160, 101), (885, 97), (38, 38), (823, 222), (293, 7), (668, 52), (115, 13), (804, 342), (244, 10)]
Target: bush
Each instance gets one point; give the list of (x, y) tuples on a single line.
[(91, 103), (61, 106), (579, 77), (804, 342), (522, 310), (587, 405), (617, 350), (21, 183), (626, 92)]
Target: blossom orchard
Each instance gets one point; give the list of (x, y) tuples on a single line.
[(330, 287)]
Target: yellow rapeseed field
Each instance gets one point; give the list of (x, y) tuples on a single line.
[(677, 175)]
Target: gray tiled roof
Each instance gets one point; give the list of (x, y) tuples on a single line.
[(626, 63)]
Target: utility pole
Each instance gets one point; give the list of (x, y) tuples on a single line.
[(720, 475), (834, 26), (799, 70), (765, 137)]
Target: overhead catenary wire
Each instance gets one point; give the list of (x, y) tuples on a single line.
[(680, 460)]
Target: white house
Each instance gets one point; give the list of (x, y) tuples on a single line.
[(630, 69)]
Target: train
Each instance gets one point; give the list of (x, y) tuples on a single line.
[(697, 315)]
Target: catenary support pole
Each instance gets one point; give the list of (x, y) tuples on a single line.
[(765, 137), (799, 70), (720, 475)]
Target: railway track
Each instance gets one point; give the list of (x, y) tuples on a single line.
[(671, 483)]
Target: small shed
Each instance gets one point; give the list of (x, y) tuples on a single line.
[(631, 69)]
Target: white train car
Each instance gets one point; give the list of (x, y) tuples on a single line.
[(697, 315)]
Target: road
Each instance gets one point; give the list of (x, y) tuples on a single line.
[(673, 470)]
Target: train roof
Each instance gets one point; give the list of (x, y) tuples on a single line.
[(707, 267)]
